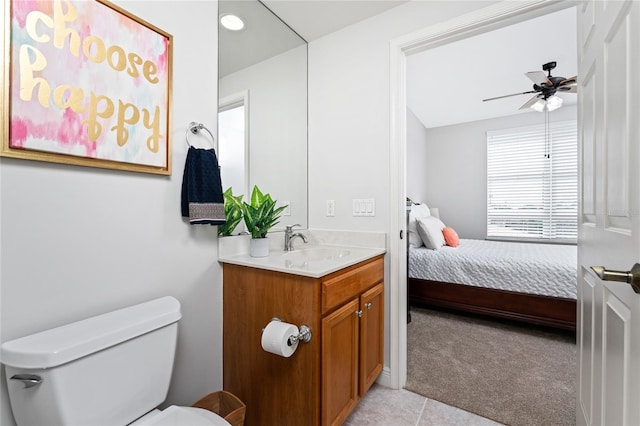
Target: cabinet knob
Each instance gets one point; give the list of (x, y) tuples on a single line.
[(359, 313), (368, 305)]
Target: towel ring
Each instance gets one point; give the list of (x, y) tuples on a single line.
[(195, 128)]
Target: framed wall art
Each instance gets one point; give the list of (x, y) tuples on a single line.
[(86, 83)]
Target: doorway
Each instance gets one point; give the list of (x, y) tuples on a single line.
[(233, 143), (475, 23)]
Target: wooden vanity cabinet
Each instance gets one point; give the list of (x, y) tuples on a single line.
[(340, 360), (371, 336), (324, 379), (352, 338)]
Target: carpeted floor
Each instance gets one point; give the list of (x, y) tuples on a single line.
[(519, 375)]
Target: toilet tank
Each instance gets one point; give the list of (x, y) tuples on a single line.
[(106, 370)]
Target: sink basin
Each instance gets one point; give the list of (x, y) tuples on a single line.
[(306, 257), (317, 253)]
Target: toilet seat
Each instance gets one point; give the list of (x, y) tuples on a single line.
[(177, 416)]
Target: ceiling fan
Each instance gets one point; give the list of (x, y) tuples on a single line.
[(545, 87)]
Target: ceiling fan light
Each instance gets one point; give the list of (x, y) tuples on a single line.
[(539, 105), (554, 102)]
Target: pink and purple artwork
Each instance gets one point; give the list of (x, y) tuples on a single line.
[(89, 80)]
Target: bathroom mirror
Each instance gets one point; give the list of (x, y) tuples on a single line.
[(262, 120)]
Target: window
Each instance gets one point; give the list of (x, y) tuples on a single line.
[(532, 183)]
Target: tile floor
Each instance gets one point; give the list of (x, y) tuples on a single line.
[(382, 406)]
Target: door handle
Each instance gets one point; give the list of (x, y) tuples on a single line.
[(631, 277)]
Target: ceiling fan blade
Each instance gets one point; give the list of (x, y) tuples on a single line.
[(529, 102), (508, 96), (568, 81), (571, 88), (538, 77)]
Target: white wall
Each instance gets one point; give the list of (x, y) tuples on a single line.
[(454, 159), (349, 111), (349, 141), (79, 241)]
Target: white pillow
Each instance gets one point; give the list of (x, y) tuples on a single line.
[(430, 230), (417, 210)]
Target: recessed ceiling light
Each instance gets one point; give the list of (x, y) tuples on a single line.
[(232, 22)]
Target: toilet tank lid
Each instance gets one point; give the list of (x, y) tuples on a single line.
[(66, 343)]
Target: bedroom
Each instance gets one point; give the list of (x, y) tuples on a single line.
[(447, 142), (447, 146)]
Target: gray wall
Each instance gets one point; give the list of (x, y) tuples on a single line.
[(447, 167), (417, 151)]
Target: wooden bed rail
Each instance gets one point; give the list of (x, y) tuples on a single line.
[(531, 308)]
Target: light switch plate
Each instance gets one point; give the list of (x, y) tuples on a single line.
[(364, 207), (331, 208)]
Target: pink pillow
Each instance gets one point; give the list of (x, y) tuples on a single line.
[(450, 237)]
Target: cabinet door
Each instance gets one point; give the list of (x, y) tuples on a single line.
[(371, 336), (340, 363)]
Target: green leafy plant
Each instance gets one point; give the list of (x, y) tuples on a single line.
[(232, 212), (261, 214)]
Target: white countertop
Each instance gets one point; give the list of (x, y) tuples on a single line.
[(315, 259), (311, 261)]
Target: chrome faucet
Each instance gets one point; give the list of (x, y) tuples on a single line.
[(289, 236)]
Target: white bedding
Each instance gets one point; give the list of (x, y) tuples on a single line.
[(546, 269)]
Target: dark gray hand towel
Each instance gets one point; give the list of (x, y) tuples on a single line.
[(202, 200)]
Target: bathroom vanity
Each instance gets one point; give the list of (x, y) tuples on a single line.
[(323, 381)]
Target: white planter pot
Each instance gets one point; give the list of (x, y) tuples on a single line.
[(259, 247)]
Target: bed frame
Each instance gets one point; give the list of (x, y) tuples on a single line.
[(531, 308)]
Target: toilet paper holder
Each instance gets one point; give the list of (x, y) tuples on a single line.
[(304, 334)]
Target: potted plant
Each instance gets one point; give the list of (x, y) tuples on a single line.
[(259, 216), (232, 213)]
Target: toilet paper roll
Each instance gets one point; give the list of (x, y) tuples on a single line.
[(275, 338)]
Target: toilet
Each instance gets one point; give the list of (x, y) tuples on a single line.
[(111, 369)]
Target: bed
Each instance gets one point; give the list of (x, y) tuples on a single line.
[(529, 282)]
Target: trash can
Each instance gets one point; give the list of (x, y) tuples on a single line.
[(225, 404)]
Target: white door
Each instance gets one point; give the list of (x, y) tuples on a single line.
[(608, 332)]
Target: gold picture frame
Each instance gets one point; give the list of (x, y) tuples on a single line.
[(85, 83)]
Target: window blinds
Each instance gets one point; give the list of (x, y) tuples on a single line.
[(532, 182)]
